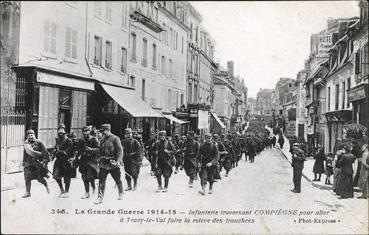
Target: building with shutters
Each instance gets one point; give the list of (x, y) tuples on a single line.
[(338, 81), (358, 95), (200, 70), (52, 61)]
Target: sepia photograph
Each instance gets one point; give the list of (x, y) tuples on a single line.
[(184, 117)]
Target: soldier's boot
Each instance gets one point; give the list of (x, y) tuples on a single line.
[(129, 185), (120, 190), (190, 183), (101, 191), (60, 184), (87, 195), (99, 200), (202, 191), (134, 184), (160, 188), (28, 189), (211, 188), (44, 183), (166, 182)]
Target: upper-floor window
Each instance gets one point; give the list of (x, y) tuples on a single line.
[(50, 31), (124, 15), (98, 8), (348, 89), (98, 51), (133, 46), (108, 56), (170, 68), (71, 43), (153, 56), (108, 11), (123, 65), (163, 65), (337, 96), (144, 52)]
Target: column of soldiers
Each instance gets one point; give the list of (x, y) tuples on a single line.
[(100, 153)]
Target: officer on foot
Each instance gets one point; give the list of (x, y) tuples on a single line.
[(298, 158), (110, 161)]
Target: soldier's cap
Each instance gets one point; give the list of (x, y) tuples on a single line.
[(215, 136), (86, 129), (72, 135), (162, 133), (222, 135), (191, 133), (207, 135), (30, 131), (128, 130), (105, 127), (296, 145), (61, 127)]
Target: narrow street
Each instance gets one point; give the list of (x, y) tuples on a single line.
[(254, 189)]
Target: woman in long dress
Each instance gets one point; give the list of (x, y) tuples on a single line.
[(318, 168), (345, 187), (337, 169), (363, 178)]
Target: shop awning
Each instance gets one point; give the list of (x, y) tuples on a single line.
[(218, 120), (174, 119), (130, 101)]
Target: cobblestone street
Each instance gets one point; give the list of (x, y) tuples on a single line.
[(258, 187)]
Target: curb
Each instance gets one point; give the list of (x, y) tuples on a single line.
[(303, 174)]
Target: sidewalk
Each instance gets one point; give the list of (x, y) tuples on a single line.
[(307, 172)]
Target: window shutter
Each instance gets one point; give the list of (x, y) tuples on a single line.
[(68, 42), (357, 62)]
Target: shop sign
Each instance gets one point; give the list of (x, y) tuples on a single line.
[(291, 128), (203, 119), (357, 93)]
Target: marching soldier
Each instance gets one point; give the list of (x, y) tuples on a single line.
[(228, 157), (63, 152), (179, 155), (90, 148), (221, 152), (164, 160), (132, 158), (208, 156), (110, 161), (191, 148), (35, 161), (150, 152), (76, 152)]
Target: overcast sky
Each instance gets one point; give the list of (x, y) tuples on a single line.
[(267, 40)]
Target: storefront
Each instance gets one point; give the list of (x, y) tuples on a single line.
[(122, 108), (359, 98), (53, 98), (335, 131)]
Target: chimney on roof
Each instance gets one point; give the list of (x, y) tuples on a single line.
[(230, 67)]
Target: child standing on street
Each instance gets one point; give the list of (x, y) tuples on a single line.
[(329, 168)]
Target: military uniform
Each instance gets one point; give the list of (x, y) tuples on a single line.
[(88, 166), (227, 162), (164, 161), (63, 151), (132, 159), (35, 159), (111, 153), (191, 148), (208, 153)]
